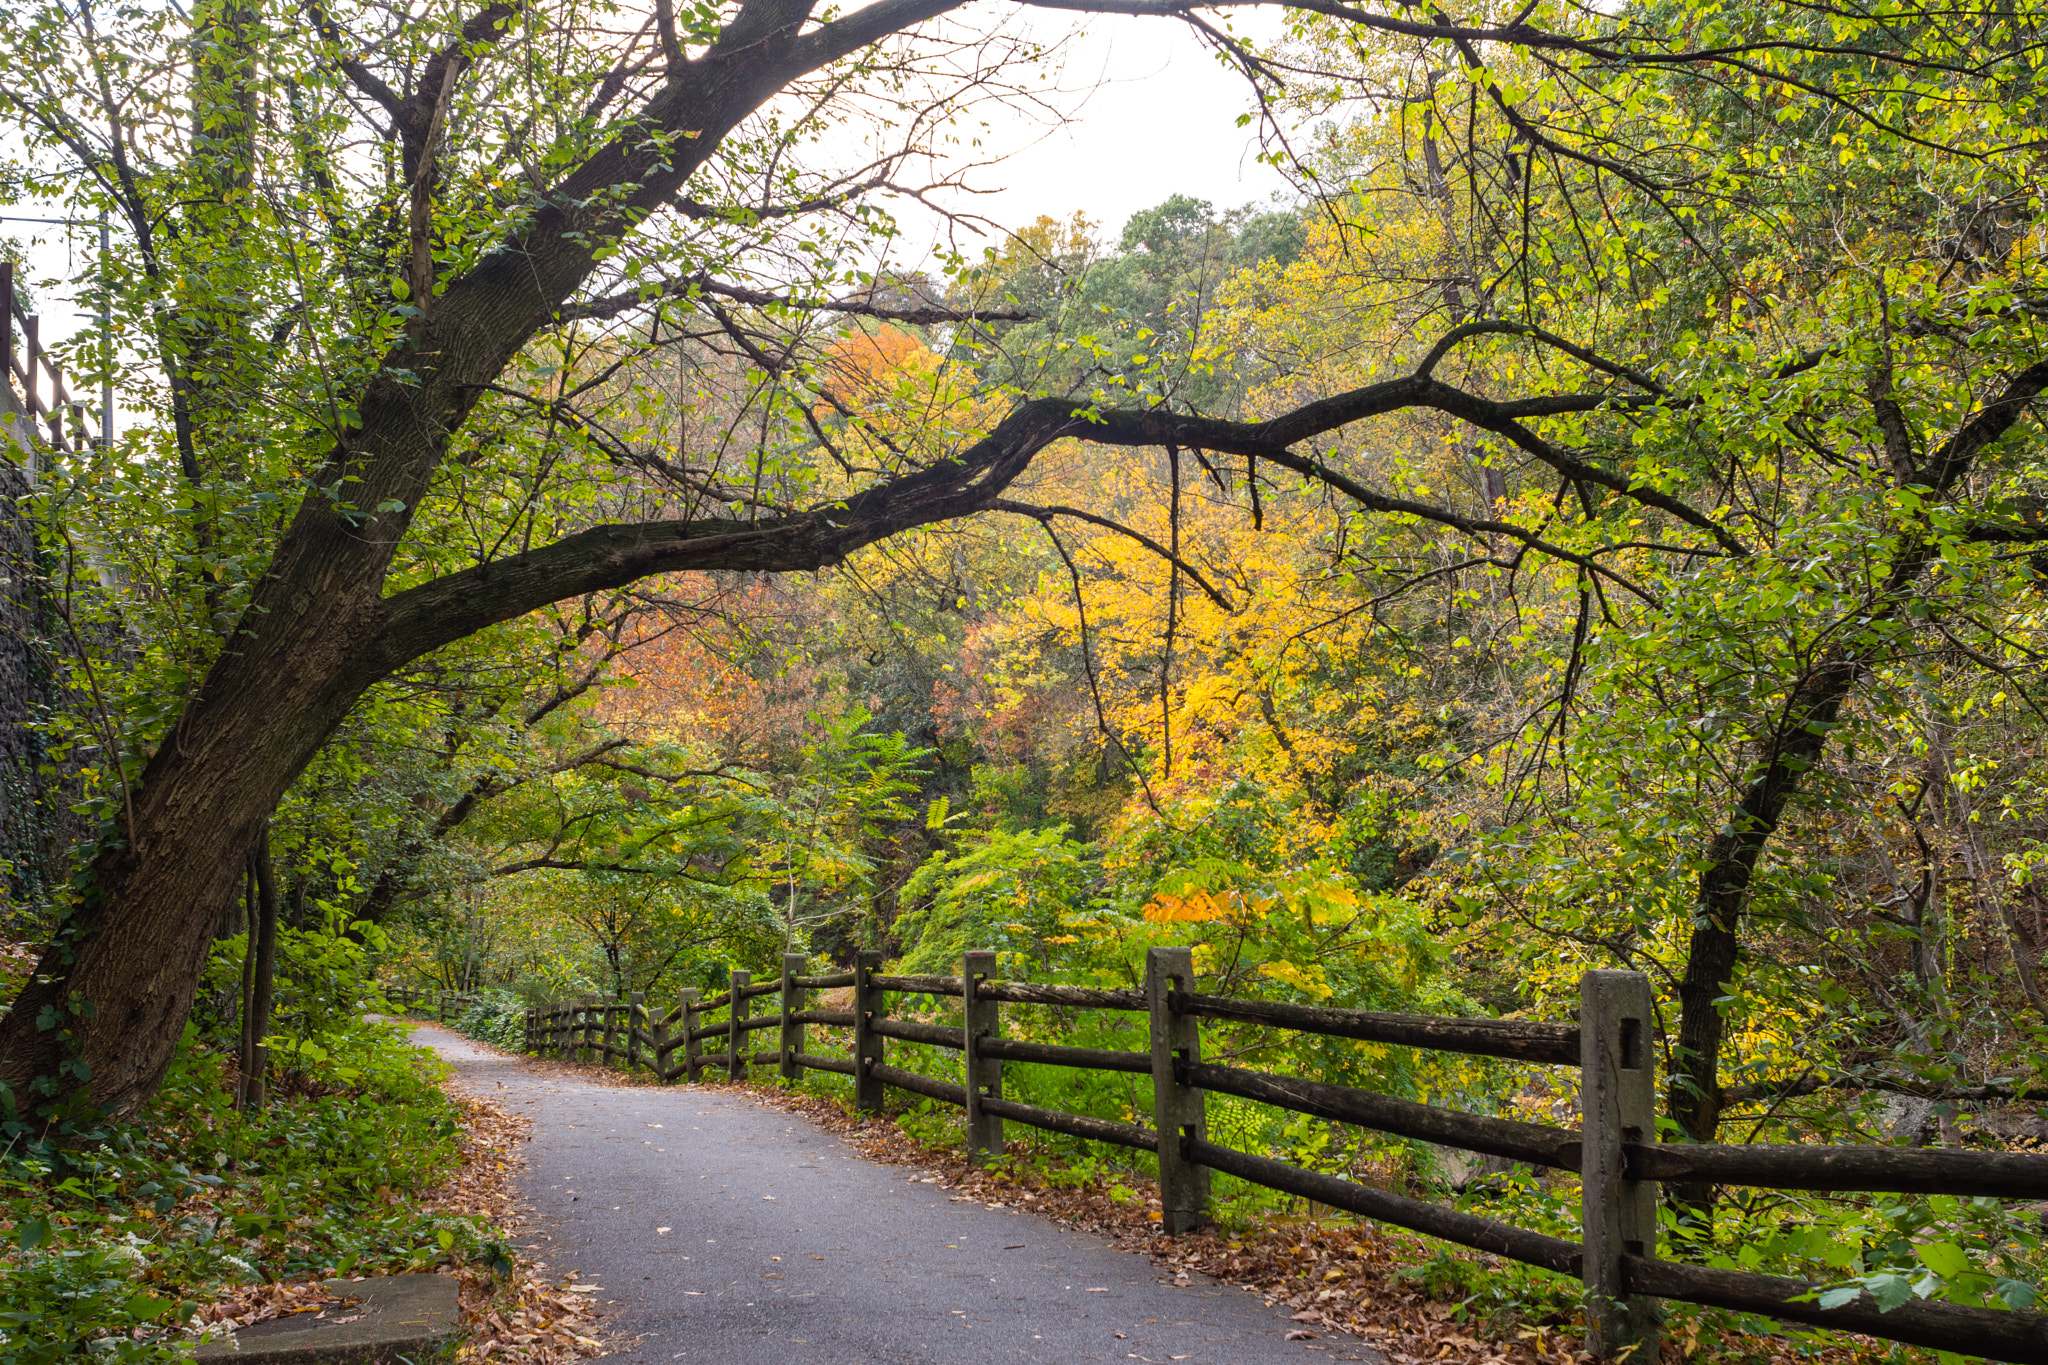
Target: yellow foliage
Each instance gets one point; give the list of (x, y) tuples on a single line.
[(1311, 980)]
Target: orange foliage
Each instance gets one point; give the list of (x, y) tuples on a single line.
[(860, 365)]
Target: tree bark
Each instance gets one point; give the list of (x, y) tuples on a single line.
[(111, 994), (255, 1087)]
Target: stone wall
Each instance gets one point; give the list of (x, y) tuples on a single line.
[(37, 827)]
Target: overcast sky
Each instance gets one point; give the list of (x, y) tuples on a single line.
[(1154, 114)]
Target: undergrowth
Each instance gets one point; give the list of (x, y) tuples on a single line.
[(117, 1232)]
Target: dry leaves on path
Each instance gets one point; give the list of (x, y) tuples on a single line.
[(520, 1318)]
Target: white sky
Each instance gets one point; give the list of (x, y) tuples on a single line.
[(1154, 114)]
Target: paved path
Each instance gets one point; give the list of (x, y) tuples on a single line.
[(732, 1233)]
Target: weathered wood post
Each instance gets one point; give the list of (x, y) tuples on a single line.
[(31, 336), (636, 1020), (693, 1052), (6, 322), (529, 1023), (587, 1039), (867, 1044), (607, 1032), (736, 1020), (1617, 1099), (1178, 1110), (984, 1074), (792, 1038), (657, 1029)]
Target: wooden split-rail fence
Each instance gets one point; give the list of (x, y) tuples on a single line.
[(1613, 1150), (439, 1003), (53, 413)]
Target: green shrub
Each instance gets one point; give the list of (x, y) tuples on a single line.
[(105, 1235), (496, 1018)]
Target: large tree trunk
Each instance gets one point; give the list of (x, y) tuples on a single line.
[(110, 997), (1810, 713), (1714, 949)]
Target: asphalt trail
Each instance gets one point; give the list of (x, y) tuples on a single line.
[(725, 1232)]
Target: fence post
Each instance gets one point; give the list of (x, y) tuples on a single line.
[(31, 336), (1617, 1098), (636, 1020), (1178, 1110), (984, 1074), (792, 1041), (693, 1053), (657, 1036), (867, 1044), (588, 1031), (7, 323), (735, 1018)]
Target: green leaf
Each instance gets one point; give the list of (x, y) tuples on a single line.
[(1890, 1291), (148, 1307), (1945, 1259)]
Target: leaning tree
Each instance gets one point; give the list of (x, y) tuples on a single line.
[(449, 314)]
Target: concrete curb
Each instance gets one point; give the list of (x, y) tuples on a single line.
[(402, 1320)]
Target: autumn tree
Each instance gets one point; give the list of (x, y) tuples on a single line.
[(394, 281)]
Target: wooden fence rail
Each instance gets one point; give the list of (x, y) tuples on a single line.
[(44, 399), (1612, 1150), (439, 1003)]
